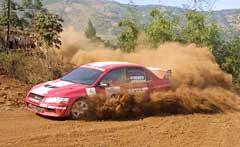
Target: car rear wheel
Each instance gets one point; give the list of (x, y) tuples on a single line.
[(79, 110)]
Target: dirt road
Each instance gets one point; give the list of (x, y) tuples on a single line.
[(22, 128)]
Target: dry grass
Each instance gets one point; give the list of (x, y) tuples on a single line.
[(31, 67)]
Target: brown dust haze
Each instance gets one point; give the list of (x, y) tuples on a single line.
[(198, 84)]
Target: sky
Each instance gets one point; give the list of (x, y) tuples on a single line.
[(219, 4)]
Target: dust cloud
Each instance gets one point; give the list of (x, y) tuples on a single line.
[(198, 83)]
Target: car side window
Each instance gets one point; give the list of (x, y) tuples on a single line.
[(114, 77), (136, 75)]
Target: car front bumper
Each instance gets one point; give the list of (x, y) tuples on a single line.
[(47, 109)]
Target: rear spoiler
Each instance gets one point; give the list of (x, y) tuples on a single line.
[(167, 73)]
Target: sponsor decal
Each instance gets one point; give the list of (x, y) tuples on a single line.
[(137, 90), (91, 91), (136, 79)]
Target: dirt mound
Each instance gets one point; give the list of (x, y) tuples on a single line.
[(12, 92)]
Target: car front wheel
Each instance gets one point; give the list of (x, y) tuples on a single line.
[(79, 110)]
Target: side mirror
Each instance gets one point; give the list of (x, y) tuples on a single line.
[(104, 84)]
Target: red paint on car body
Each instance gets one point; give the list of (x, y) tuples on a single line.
[(134, 78)]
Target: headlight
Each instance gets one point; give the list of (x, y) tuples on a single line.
[(56, 100)]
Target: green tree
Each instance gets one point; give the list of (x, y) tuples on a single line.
[(27, 3), (47, 27), (37, 4), (31, 9), (128, 38), (231, 58), (132, 13), (15, 21), (196, 30), (130, 28), (90, 32), (161, 28)]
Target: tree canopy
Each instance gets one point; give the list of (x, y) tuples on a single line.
[(90, 32), (128, 37), (15, 21), (160, 29), (47, 26)]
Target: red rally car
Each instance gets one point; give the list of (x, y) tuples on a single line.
[(66, 97)]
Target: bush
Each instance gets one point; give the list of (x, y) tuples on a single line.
[(47, 27), (231, 59), (127, 40), (90, 32), (31, 69), (198, 31)]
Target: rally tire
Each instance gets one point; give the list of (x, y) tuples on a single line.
[(79, 110)]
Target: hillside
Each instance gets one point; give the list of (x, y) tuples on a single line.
[(105, 14)]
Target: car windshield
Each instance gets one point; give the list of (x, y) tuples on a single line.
[(82, 75)]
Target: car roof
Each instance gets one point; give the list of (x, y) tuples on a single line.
[(111, 64)]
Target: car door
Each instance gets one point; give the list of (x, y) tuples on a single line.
[(137, 80), (111, 84)]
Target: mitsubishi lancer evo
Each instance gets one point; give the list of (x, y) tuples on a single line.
[(67, 96)]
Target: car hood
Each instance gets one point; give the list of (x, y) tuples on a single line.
[(59, 88)]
